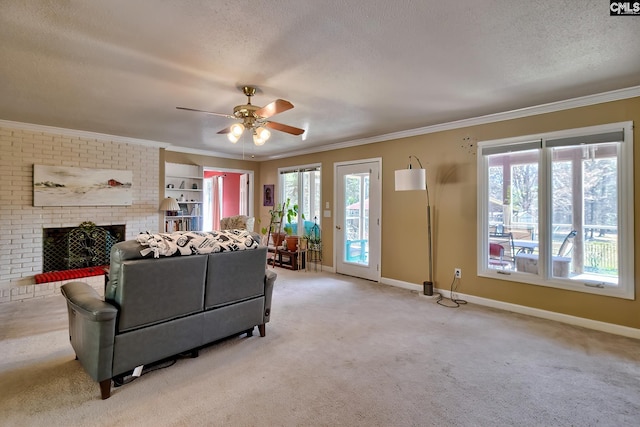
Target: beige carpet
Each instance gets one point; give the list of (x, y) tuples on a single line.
[(338, 352)]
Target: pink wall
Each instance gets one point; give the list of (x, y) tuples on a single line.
[(231, 194), (230, 191)]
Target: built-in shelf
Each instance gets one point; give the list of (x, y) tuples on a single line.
[(189, 197)]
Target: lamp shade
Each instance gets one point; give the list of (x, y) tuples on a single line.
[(260, 136), (169, 204), (237, 129), (411, 179)]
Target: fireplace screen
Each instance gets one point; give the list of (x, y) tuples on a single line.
[(87, 245)]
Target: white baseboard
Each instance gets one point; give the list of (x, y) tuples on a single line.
[(327, 269), (400, 284), (521, 309)]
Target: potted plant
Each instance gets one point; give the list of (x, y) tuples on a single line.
[(314, 238), (314, 241), (291, 212)]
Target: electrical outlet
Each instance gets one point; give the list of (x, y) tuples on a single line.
[(458, 273)]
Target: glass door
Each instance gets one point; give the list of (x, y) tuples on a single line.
[(358, 219)]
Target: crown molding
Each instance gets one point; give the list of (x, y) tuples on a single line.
[(81, 134), (187, 150), (551, 107)]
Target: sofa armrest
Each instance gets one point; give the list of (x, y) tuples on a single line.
[(269, 280), (87, 302), (92, 326)]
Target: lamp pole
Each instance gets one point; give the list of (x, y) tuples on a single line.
[(428, 285)]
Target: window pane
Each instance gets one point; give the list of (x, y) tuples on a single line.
[(302, 188), (585, 213), (356, 193), (310, 203), (524, 195), (513, 211), (289, 187), (496, 195)]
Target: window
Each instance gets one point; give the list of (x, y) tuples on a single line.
[(557, 209), (301, 185), (356, 217)]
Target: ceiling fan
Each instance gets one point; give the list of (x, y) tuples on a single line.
[(254, 118)]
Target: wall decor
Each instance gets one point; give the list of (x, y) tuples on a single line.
[(267, 197), (69, 186)]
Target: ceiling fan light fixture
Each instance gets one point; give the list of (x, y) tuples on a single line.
[(263, 133), (254, 119), (237, 129), (257, 139)]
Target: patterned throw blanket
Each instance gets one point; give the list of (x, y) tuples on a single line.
[(195, 242)]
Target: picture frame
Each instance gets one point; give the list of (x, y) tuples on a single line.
[(268, 195), (72, 186)]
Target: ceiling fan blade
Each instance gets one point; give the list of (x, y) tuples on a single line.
[(277, 106), (284, 128), (207, 112), (225, 130)]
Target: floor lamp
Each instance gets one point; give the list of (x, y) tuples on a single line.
[(416, 179)]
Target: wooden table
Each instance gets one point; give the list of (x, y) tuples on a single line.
[(293, 260)]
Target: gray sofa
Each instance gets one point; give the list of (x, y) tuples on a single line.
[(157, 308)]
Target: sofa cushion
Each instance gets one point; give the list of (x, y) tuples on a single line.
[(235, 276), (147, 345), (231, 319), (156, 290)]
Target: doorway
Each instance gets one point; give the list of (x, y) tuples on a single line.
[(227, 192), (357, 219)]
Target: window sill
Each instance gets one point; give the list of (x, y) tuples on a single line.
[(602, 289)]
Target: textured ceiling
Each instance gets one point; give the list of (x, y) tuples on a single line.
[(353, 69)]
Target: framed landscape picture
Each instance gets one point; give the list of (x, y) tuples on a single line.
[(69, 186)]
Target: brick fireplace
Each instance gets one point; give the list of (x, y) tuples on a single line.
[(22, 223)]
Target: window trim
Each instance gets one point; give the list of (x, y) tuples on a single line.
[(626, 278)]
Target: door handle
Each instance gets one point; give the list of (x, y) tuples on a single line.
[(338, 227)]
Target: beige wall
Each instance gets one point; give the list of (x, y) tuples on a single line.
[(451, 172)]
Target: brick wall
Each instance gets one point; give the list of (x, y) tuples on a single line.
[(21, 223)]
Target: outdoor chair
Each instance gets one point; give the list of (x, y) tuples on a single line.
[(567, 244), (496, 257), (506, 241)]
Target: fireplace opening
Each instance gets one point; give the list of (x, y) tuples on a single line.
[(87, 245)]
